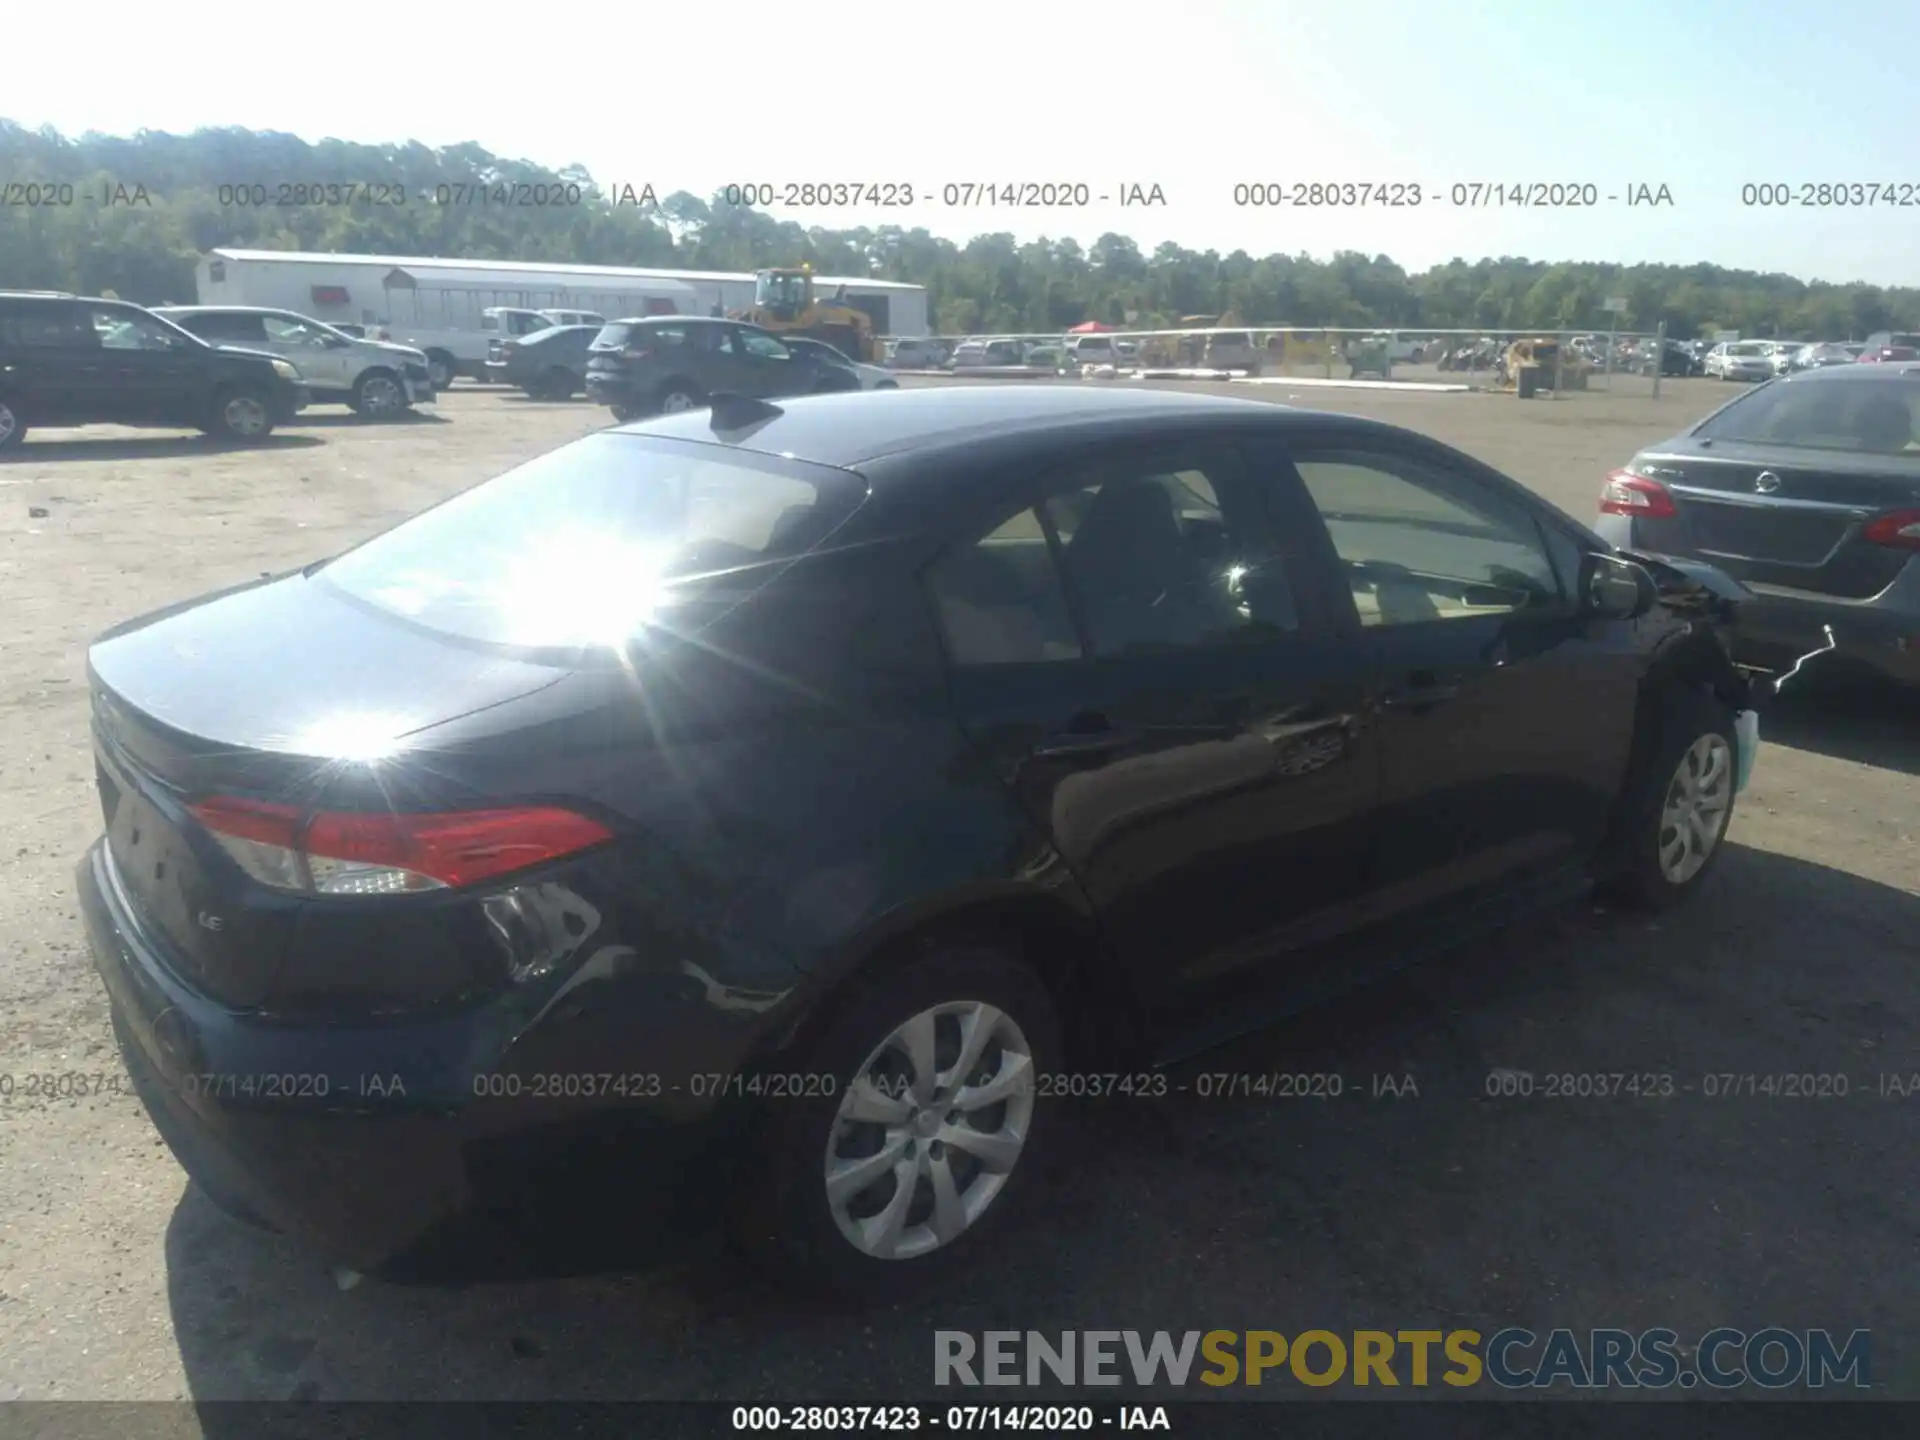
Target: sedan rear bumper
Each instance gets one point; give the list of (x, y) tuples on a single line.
[(361, 1140)]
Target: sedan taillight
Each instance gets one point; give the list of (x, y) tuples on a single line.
[(1626, 493), (1900, 530), (380, 853)]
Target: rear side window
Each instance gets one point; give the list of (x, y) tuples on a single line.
[(621, 334), (591, 543), (217, 325), (48, 327), (1876, 417), (1001, 600)]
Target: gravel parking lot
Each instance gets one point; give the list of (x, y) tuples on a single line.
[(1444, 1209)]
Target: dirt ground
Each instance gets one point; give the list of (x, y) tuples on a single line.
[(1446, 1209)]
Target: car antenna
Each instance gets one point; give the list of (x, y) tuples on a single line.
[(734, 411)]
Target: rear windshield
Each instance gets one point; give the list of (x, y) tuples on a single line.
[(589, 544), (1878, 417)]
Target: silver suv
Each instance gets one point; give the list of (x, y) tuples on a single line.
[(379, 380)]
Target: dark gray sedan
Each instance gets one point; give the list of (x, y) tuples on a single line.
[(1807, 490), (548, 364)]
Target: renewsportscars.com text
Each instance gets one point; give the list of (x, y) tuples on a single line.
[(1771, 1358)]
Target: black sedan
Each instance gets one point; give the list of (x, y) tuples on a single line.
[(799, 796), (1808, 491), (549, 364)]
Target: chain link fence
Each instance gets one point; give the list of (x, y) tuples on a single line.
[(1546, 364)]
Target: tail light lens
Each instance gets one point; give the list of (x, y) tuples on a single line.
[(1900, 530), (1626, 493), (508, 347), (377, 853)]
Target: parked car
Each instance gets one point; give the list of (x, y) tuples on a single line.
[(666, 364), (1233, 350), (1807, 490), (549, 364), (1890, 345), (973, 354), (1782, 353), (378, 381), (74, 360), (1740, 360), (1814, 357), (1675, 359), (871, 377), (762, 743), (910, 353)]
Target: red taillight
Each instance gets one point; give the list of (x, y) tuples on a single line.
[(1901, 530), (1626, 493), (376, 853)]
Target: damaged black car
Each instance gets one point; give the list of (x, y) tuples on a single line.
[(788, 788)]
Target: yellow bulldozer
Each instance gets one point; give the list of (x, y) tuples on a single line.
[(1541, 363), (784, 302)]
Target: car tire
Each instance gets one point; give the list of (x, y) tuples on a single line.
[(556, 384), (888, 385), (441, 368), (1682, 779), (379, 395), (240, 412), (676, 397), (807, 1229), (624, 413), (13, 429)]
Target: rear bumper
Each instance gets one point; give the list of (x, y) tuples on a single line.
[(360, 1141)]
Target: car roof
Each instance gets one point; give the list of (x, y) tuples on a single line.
[(1907, 371), (846, 430)]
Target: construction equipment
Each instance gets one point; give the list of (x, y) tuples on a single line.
[(1547, 365), (784, 302)]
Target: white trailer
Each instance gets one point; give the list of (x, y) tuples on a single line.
[(439, 305)]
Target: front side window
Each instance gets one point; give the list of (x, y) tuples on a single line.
[(764, 347), (292, 330), (130, 330), (1421, 544)]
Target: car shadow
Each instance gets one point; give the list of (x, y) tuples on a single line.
[(1418, 1193), (334, 420), (1856, 718), (147, 447)]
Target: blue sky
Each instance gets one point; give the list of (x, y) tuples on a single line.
[(1702, 96)]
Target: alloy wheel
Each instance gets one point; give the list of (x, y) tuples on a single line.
[(1694, 815), (676, 402), (929, 1130), (244, 415), (381, 397), (8, 424)]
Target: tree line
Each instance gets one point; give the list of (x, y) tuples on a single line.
[(130, 215)]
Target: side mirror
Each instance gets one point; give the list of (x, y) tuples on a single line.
[(1615, 588)]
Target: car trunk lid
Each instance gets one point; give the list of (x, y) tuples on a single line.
[(203, 700), (1796, 525)]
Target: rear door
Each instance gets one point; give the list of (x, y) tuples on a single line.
[(1780, 488), (54, 366), (1137, 657), (1504, 714)]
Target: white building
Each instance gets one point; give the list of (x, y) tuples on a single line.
[(435, 304)]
